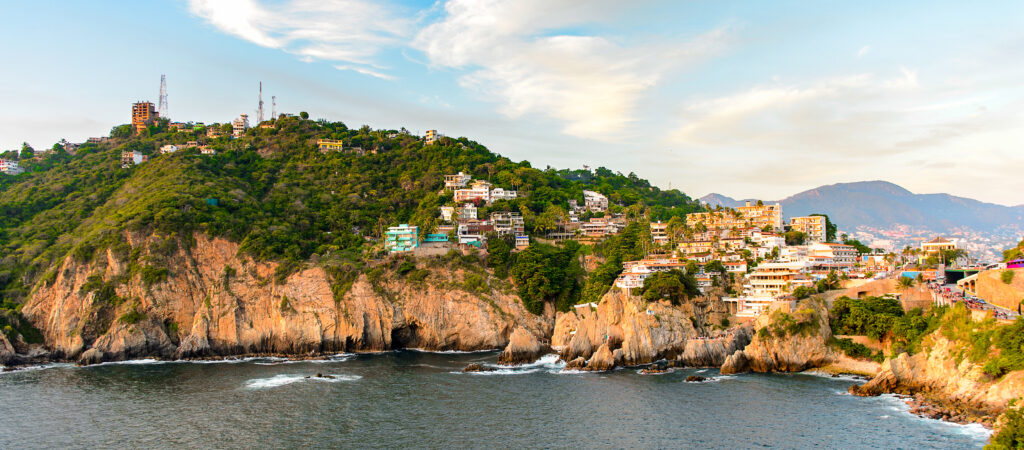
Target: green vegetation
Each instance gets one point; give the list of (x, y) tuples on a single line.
[(626, 246), (1006, 276), (854, 349), (795, 237), (1014, 253), (1011, 434), (545, 273), (132, 317), (883, 318), (282, 200), (803, 322), (674, 286)]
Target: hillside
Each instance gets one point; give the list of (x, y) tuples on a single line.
[(278, 198)]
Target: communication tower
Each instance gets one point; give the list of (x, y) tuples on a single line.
[(162, 110), (259, 114), (273, 107)]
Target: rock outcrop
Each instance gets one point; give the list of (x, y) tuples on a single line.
[(523, 348), (215, 303), (7, 354), (786, 342), (627, 330), (945, 377)]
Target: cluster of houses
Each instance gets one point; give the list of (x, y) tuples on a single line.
[(461, 223), (747, 242)]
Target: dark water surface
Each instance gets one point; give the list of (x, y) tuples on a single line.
[(412, 399)]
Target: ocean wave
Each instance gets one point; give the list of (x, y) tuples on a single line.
[(449, 352), (34, 367), (503, 372), (285, 379), (899, 404)]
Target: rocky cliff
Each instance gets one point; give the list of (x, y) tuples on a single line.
[(626, 330), (786, 342), (213, 302), (944, 376)]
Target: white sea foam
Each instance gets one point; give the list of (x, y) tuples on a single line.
[(34, 367), (899, 404), (449, 352), (504, 372), (285, 379)]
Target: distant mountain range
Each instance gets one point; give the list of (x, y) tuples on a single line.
[(881, 205)]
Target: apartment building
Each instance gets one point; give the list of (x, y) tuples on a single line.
[(10, 167), (813, 226), (431, 137), (659, 233), (330, 145), (143, 115), (634, 273), (403, 238), (594, 201), (456, 181), (598, 227), (761, 216), (508, 223), (502, 194), (939, 244), (757, 216), (240, 125)]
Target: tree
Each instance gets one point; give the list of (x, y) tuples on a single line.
[(304, 115), (674, 286), (795, 237), (27, 152)]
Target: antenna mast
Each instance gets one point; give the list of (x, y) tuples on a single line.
[(163, 96), (259, 116), (273, 107)]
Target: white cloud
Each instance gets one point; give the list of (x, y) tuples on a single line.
[(590, 83), (863, 51), (350, 31), (366, 71), (857, 113)]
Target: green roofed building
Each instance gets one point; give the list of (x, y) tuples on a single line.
[(402, 238)]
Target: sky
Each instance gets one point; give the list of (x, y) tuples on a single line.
[(750, 99)]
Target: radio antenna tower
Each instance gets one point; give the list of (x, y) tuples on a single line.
[(259, 115), (273, 107), (163, 96)]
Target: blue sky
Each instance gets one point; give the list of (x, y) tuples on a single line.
[(749, 99)]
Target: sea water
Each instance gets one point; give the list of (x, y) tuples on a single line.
[(417, 399)]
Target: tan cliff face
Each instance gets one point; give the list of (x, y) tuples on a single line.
[(626, 330), (216, 303), (946, 376), (782, 351)]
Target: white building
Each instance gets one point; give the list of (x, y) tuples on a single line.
[(468, 212), (634, 273), (169, 148), (594, 201), (240, 125), (447, 213), (501, 194), (458, 180), (659, 233), (10, 167)]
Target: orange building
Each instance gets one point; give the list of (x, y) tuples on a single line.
[(143, 113)]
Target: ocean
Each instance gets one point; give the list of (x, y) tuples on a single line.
[(416, 399)]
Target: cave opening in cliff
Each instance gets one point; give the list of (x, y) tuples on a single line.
[(402, 337)]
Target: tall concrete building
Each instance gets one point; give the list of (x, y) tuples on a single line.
[(143, 114)]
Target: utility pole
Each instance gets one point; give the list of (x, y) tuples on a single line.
[(259, 115), (162, 110)]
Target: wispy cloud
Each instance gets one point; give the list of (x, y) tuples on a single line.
[(514, 55), (349, 31), (863, 51), (366, 71)]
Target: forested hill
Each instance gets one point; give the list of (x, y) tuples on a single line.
[(273, 192)]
